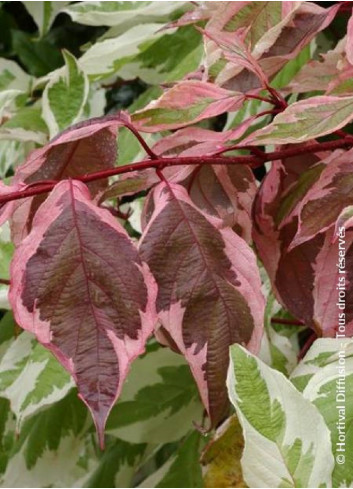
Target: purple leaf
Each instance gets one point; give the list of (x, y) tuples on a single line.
[(225, 191), (78, 284), (84, 148), (303, 275), (333, 191), (209, 289)]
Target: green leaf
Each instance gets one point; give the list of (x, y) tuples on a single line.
[(7, 332), (182, 469), (287, 443), (38, 56), (185, 470), (30, 377), (64, 98), (116, 466)]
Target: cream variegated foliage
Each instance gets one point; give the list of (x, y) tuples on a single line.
[(325, 376), (287, 443), (64, 98), (31, 378)]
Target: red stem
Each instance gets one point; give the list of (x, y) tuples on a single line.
[(289, 322), (158, 163), (258, 97), (312, 337), (3, 281), (278, 100)]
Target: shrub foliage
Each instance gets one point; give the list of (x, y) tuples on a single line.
[(176, 202)]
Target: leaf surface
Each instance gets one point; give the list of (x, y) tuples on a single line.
[(116, 13), (31, 377), (287, 443), (80, 286), (64, 98), (273, 33), (87, 147), (304, 274), (157, 400), (44, 13), (350, 40), (187, 102), (44, 442), (305, 120), (221, 456), (333, 191), (319, 376), (209, 289), (12, 77)]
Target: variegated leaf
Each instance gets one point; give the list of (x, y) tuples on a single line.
[(7, 332), (350, 40), (184, 104), (208, 289), (44, 442), (31, 377), (44, 13), (26, 125), (227, 192), (116, 13), (333, 191), (345, 219), (116, 467), (86, 147), (287, 443), (266, 29), (104, 58), (325, 376), (80, 286), (7, 208), (304, 277), (158, 398), (7, 101), (305, 120), (64, 98), (12, 77), (319, 74), (280, 346)]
